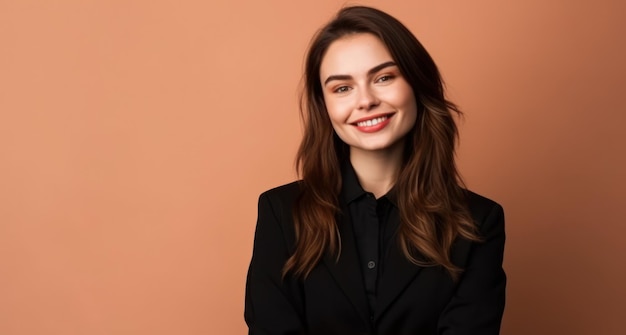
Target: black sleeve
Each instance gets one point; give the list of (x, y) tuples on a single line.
[(478, 303), (271, 304)]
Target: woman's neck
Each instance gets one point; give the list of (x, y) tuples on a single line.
[(377, 171)]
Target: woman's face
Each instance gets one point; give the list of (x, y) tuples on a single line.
[(370, 104)]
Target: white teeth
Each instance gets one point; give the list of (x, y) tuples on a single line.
[(372, 122)]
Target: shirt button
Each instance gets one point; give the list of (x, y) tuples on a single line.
[(371, 264)]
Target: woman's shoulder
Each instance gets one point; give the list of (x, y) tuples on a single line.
[(281, 198), (283, 192), (481, 207)]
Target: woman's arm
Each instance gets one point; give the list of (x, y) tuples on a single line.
[(270, 305), (478, 303)]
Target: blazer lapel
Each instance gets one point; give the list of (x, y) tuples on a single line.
[(346, 271), (400, 272)]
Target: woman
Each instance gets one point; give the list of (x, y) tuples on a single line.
[(379, 236)]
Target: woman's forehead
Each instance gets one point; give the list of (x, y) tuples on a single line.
[(353, 55)]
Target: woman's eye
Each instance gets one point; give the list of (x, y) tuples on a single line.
[(384, 78), (342, 89)]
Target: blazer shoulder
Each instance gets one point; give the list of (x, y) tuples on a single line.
[(281, 200), (481, 207), (283, 193)]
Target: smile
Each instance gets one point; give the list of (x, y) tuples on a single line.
[(372, 122)]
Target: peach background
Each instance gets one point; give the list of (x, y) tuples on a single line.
[(135, 137)]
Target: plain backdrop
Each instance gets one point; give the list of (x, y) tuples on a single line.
[(136, 136)]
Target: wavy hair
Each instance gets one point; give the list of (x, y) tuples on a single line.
[(431, 198)]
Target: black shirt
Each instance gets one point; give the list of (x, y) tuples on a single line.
[(373, 229)]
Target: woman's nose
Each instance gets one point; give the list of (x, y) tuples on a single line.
[(367, 99)]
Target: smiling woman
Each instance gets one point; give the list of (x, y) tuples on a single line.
[(379, 236), (371, 107)]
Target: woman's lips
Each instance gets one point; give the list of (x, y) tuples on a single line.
[(374, 124)]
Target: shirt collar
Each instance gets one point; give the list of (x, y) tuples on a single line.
[(351, 188)]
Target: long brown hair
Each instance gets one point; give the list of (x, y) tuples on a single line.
[(431, 199)]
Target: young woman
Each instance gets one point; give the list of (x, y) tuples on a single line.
[(379, 236)]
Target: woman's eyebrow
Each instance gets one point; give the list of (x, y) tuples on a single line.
[(369, 72)]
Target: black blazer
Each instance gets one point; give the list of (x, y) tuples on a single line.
[(410, 299)]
